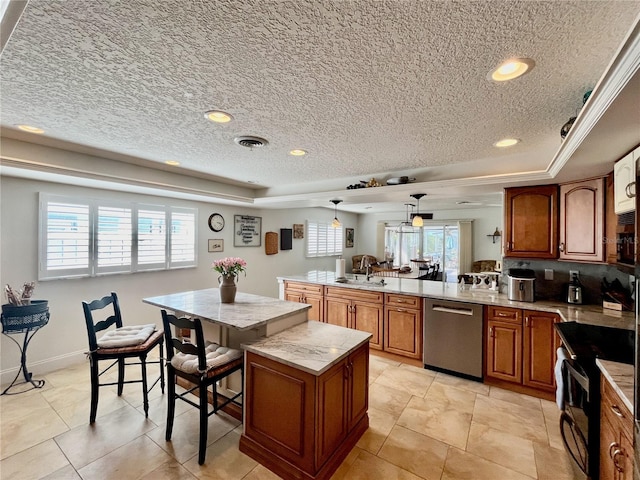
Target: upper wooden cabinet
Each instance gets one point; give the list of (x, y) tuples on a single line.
[(531, 222), (624, 183), (582, 221)]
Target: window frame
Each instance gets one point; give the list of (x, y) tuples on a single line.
[(92, 206)]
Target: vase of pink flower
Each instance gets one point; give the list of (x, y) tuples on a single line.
[(228, 268)]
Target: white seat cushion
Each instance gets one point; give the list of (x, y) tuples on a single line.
[(126, 336), (216, 356)]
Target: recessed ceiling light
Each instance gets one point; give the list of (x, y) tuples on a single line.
[(506, 142), (512, 69), (297, 152), (218, 116), (173, 163), (30, 129)]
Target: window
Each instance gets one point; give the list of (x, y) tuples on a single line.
[(84, 238), (323, 240)]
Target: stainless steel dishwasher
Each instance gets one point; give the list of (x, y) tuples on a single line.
[(453, 338)]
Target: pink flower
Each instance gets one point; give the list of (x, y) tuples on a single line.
[(230, 266)]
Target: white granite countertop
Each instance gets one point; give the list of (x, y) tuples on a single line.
[(248, 311), (620, 375), (592, 314), (313, 347)]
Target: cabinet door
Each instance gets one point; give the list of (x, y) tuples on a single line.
[(531, 222), (540, 344), (316, 312), (292, 296), (403, 331), (337, 311), (358, 385), (582, 221), (608, 444), (333, 398), (367, 317), (504, 351), (624, 173)]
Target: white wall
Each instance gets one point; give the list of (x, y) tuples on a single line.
[(63, 340), (485, 221)]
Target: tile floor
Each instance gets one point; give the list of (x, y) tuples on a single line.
[(423, 425)]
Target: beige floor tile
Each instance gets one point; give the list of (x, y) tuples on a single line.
[(73, 375), (388, 399), (133, 460), (451, 397), (158, 409), (171, 470), (380, 424), (415, 452), (552, 419), (261, 473), (342, 472), (15, 407), (65, 473), (462, 465), (86, 443), (502, 448), (223, 461), (367, 467), (555, 464), (26, 430), (442, 422), (514, 397), (462, 383), (22, 466), (185, 436), (521, 421), (377, 365), (411, 380)]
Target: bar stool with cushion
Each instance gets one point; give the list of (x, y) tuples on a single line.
[(119, 344), (202, 364)]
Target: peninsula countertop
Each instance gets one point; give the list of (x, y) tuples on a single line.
[(592, 314), (246, 313), (620, 376), (313, 347)]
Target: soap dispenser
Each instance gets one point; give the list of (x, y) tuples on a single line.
[(574, 293)]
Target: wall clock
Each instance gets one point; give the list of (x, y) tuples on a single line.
[(216, 222)]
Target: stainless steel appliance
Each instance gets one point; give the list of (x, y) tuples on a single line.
[(636, 404), (521, 284), (453, 338), (574, 292), (580, 419)]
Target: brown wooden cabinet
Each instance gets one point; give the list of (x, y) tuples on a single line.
[(531, 222), (300, 425), (616, 434), (306, 293), (403, 325), (354, 308), (582, 221), (521, 347)]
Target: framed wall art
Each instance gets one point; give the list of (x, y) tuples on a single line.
[(298, 230), (247, 231), (216, 245), (349, 237)]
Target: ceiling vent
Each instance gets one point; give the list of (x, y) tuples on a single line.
[(250, 141)]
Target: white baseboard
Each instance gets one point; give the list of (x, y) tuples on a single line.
[(43, 367)]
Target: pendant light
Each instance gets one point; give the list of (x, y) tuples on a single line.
[(335, 223), (417, 219)]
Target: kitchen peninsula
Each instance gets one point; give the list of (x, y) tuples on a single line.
[(305, 396)]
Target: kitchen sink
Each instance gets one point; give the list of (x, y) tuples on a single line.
[(369, 283)]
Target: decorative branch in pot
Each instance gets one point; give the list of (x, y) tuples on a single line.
[(229, 268)]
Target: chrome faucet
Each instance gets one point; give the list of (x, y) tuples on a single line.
[(369, 275)]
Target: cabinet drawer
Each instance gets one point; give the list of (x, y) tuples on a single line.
[(613, 408), (404, 301), (504, 314), (304, 287), (354, 294)]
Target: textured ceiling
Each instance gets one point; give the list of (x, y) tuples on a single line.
[(368, 88)]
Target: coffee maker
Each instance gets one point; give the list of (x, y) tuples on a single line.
[(574, 292)]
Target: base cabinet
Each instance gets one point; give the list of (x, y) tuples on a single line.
[(616, 434), (306, 293), (403, 325), (521, 347), (300, 425), (359, 309)]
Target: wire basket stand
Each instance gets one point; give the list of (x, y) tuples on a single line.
[(27, 320)]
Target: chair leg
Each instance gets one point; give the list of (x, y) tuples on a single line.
[(120, 375), (94, 389), (145, 393), (204, 417), (171, 402), (161, 367)]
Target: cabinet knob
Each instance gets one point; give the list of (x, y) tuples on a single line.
[(611, 447), (491, 331), (616, 409), (616, 454), (400, 310), (630, 190), (561, 247)]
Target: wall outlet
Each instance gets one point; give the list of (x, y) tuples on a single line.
[(574, 272), (548, 274)]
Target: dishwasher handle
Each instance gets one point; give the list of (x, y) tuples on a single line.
[(456, 311)]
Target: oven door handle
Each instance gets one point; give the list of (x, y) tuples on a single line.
[(581, 378)]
